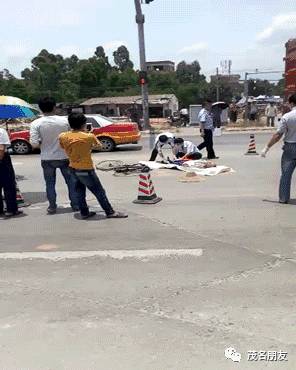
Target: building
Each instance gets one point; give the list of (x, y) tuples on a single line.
[(161, 66), (290, 67), (159, 105)]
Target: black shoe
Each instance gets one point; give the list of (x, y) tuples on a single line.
[(283, 202), (89, 215), (213, 158), (13, 214), (75, 209), (51, 211), (117, 215)]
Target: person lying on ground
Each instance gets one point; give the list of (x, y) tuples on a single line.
[(185, 150), (166, 138), (78, 145)]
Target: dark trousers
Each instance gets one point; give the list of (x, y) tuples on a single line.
[(288, 167), (208, 143), (153, 154), (192, 156), (7, 184), (270, 121), (83, 179), (50, 173)]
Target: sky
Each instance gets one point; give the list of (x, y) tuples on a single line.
[(250, 33)]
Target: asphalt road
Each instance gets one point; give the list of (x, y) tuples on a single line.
[(210, 267)]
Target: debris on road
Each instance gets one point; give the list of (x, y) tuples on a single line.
[(200, 167)]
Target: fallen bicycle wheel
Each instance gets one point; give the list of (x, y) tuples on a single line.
[(109, 165), (128, 170)]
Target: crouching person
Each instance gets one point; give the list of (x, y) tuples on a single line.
[(161, 140), (78, 145), (186, 150)]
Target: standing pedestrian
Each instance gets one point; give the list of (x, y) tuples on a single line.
[(253, 111), (233, 113), (271, 112), (206, 121), (287, 128), (45, 133), (7, 179), (78, 144)]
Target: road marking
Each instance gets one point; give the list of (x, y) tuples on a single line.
[(145, 254)]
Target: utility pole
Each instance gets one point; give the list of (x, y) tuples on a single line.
[(246, 86), (140, 19), (217, 86), (246, 94)]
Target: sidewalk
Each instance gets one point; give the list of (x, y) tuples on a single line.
[(194, 131)]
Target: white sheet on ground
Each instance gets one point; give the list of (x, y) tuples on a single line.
[(190, 166)]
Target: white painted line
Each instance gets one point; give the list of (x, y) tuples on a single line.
[(145, 254)]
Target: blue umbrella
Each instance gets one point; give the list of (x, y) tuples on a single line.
[(11, 108)]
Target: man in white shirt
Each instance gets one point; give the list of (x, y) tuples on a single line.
[(206, 121), (287, 129), (7, 179), (44, 133), (185, 150), (271, 112), (164, 139)]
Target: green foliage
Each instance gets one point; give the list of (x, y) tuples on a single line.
[(72, 80), (260, 87), (122, 58)]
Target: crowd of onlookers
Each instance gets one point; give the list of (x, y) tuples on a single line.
[(65, 145)]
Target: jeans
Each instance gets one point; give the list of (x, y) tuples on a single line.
[(83, 179), (288, 167), (7, 183), (208, 143), (49, 171)]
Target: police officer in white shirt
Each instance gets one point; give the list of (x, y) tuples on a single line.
[(186, 150), (166, 138), (7, 179), (287, 128), (206, 121)]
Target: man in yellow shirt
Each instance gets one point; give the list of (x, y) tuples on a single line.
[(78, 145)]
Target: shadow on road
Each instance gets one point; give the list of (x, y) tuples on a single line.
[(97, 217), (128, 148), (291, 202)]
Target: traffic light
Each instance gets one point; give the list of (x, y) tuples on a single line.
[(143, 78)]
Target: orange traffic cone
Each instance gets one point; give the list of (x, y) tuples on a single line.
[(19, 198), (146, 192), (252, 146)]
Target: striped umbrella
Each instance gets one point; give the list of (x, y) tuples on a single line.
[(11, 107)]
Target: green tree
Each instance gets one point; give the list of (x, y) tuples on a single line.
[(260, 87), (101, 56), (122, 58), (189, 73), (279, 88)]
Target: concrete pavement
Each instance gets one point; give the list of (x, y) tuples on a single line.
[(166, 312)]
